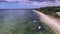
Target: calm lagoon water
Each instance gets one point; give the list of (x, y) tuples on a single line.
[(21, 22)]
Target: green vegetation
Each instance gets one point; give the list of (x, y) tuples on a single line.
[(50, 11)]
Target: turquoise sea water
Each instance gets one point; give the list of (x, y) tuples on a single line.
[(15, 21), (21, 22)]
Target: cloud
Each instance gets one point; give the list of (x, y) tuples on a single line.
[(35, 3)]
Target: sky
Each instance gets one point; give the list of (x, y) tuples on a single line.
[(4, 5), (27, 3)]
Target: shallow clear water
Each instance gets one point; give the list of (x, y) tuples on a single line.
[(21, 22)]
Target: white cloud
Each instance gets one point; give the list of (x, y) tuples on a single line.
[(34, 3)]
